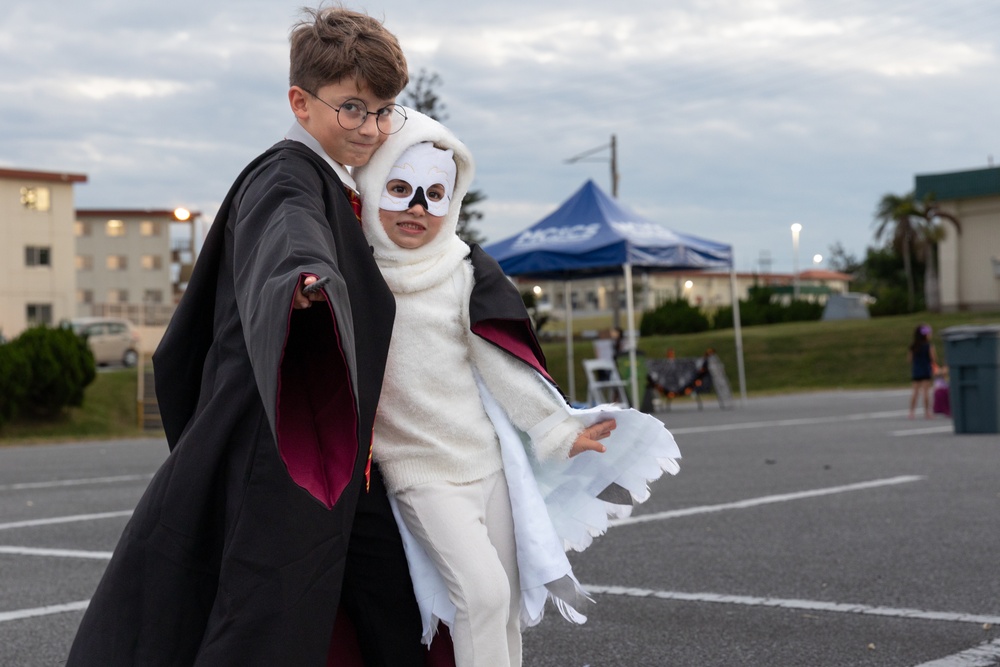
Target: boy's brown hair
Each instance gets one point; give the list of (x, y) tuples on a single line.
[(333, 43)]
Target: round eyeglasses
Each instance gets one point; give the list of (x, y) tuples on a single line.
[(353, 113)]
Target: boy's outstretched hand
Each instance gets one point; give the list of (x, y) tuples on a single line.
[(304, 298), (588, 440)]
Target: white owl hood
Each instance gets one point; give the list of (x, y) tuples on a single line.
[(417, 269)]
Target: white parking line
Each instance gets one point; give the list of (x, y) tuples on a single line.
[(805, 605), (927, 429), (42, 611), (765, 500), (984, 655), (58, 553), (64, 519), (74, 482), (802, 421)]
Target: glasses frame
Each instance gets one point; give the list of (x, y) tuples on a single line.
[(377, 113)]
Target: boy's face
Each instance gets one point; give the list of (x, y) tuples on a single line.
[(352, 148), (413, 227)]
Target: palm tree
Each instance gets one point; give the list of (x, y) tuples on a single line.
[(894, 219), (914, 227), (932, 232)]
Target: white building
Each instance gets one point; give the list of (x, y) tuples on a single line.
[(969, 261), (706, 289), (129, 264), (37, 275)]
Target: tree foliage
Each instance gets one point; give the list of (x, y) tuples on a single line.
[(914, 228), (61, 366), (674, 316), (422, 95), (15, 374)]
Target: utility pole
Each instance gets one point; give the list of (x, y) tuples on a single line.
[(586, 157)]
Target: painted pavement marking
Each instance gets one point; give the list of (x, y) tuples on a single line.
[(18, 614), (765, 500), (804, 605), (57, 553), (984, 655), (74, 482), (802, 421), (64, 519), (922, 431)]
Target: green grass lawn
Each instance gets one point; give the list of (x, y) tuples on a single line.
[(801, 356), (109, 410)]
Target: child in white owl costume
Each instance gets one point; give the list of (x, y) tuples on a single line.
[(492, 475)]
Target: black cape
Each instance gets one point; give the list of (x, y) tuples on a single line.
[(236, 552)]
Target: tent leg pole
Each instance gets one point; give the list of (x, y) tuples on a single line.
[(570, 364), (738, 331), (633, 338)]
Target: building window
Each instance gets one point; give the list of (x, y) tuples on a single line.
[(81, 228), (153, 296), (115, 228), (149, 228), (39, 313), (37, 256), (152, 262), (35, 199), (117, 262), (85, 296), (117, 296), (84, 262)]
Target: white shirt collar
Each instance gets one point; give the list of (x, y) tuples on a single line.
[(301, 135)]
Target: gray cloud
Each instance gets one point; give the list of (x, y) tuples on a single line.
[(733, 118)]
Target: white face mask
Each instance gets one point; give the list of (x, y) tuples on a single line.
[(421, 166)]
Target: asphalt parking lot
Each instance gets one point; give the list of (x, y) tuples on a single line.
[(813, 529)]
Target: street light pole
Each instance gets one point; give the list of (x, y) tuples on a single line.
[(796, 228)]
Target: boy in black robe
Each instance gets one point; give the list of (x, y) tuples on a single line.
[(267, 514)]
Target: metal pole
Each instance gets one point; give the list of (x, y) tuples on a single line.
[(633, 342), (614, 167), (796, 228), (570, 365), (738, 333)]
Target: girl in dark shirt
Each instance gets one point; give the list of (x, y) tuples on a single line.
[(922, 364)]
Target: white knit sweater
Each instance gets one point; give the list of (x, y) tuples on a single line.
[(431, 424)]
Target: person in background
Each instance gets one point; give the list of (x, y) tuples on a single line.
[(923, 364)]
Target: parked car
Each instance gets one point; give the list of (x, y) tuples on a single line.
[(112, 339)]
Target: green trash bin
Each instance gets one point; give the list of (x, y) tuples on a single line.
[(972, 353)]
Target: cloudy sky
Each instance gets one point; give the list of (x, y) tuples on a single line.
[(733, 118)]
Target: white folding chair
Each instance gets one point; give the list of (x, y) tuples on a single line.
[(604, 384)]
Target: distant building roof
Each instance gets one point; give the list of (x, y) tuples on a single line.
[(56, 176), (133, 213), (959, 184)]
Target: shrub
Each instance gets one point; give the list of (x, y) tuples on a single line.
[(15, 374), (61, 366), (673, 317)]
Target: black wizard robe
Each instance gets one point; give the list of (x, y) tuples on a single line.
[(236, 553)]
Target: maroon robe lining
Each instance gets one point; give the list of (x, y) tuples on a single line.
[(316, 420)]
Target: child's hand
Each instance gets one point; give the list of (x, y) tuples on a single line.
[(588, 440), (303, 299)]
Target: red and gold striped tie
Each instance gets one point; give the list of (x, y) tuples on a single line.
[(355, 200)]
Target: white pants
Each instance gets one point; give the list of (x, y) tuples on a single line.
[(468, 532)]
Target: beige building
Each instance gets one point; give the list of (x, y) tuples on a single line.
[(130, 264), (968, 262), (708, 289), (37, 276)]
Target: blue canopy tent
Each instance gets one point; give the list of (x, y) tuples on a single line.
[(592, 234)]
